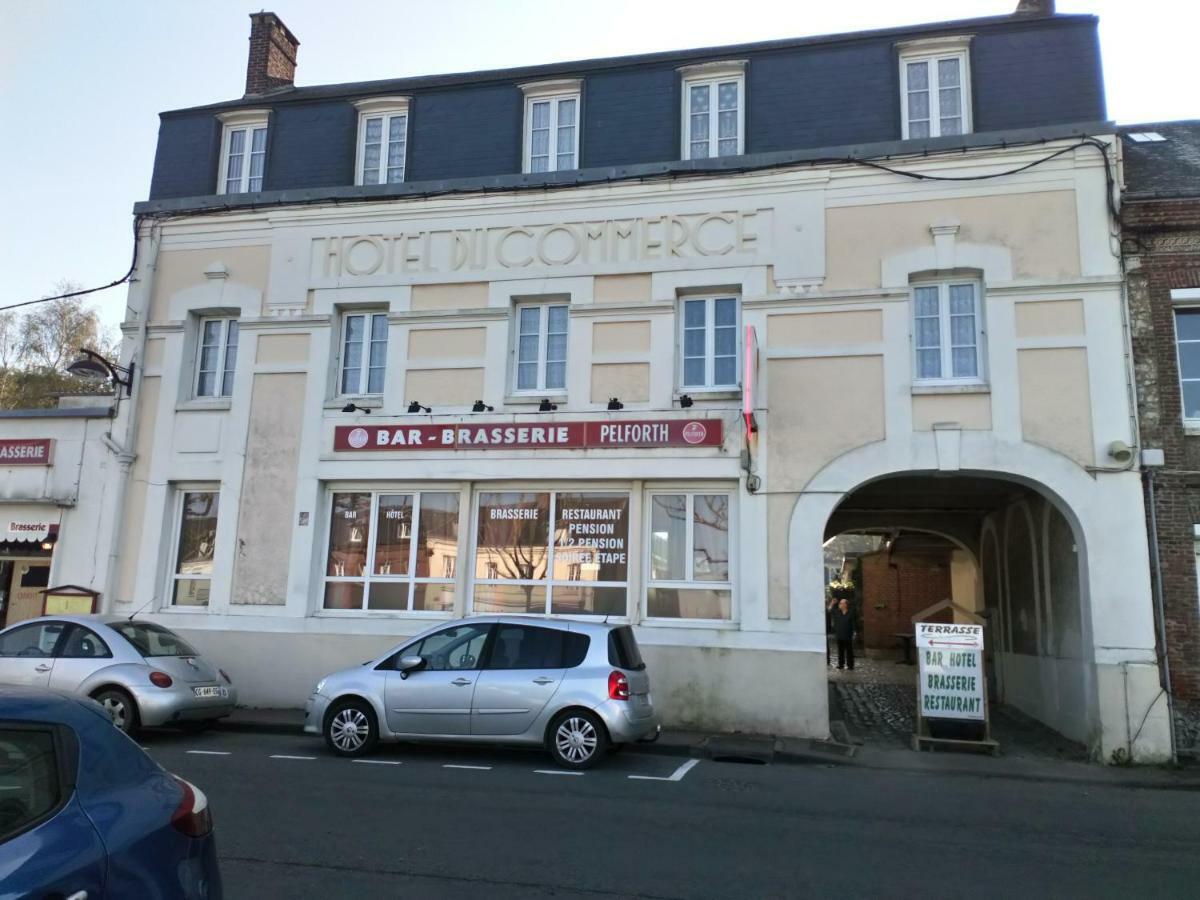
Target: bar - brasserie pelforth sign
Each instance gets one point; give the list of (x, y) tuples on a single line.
[(550, 436)]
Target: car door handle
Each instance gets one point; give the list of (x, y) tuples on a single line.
[(42, 668), (543, 680), (462, 682)]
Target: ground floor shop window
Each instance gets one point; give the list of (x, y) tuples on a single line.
[(558, 552), (191, 578), (392, 551), (689, 576)]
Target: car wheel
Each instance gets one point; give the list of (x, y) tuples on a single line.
[(120, 707), (577, 739), (350, 728)]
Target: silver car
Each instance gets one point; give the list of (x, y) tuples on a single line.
[(576, 688), (142, 673)]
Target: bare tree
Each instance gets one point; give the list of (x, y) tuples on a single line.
[(10, 339), (52, 332)]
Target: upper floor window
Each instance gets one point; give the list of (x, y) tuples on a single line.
[(935, 89), (1187, 345), (364, 353), (713, 110), (551, 125), (382, 140), (541, 351), (709, 343), (243, 152), (217, 359), (947, 332)]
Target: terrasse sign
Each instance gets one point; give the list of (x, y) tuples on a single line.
[(551, 436), (595, 242)]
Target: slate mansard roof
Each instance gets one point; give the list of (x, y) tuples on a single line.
[(1164, 169), (1032, 75)]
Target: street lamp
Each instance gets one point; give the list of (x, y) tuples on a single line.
[(94, 367)]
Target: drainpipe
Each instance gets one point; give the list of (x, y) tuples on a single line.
[(123, 452), (1160, 613)]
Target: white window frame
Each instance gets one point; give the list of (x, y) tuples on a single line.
[(549, 582), (930, 52), (385, 108), (223, 390), (710, 75), (543, 341), (945, 346), (369, 576), (554, 93), (179, 499), (249, 121), (710, 344), (689, 583), (364, 373), (1176, 309)]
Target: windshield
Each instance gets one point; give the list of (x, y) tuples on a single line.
[(153, 640)]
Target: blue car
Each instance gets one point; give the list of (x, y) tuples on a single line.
[(85, 813)]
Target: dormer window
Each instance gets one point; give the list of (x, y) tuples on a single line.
[(243, 152), (935, 87), (382, 140), (713, 109), (551, 125)]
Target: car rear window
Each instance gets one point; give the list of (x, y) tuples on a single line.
[(623, 649), (153, 640)]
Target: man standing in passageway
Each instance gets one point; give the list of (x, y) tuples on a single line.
[(843, 631)]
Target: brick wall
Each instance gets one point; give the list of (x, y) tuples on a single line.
[(891, 596), (1161, 242)]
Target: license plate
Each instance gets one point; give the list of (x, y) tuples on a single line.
[(211, 692)]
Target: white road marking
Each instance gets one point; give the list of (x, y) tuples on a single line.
[(210, 752), (284, 756), (370, 762), (554, 772), (480, 768), (677, 775)]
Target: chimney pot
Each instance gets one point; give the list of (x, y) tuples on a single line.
[(1035, 8), (272, 61)]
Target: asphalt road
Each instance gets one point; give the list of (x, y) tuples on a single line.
[(436, 822)]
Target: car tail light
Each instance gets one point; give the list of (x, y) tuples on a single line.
[(224, 675), (192, 817), (618, 686), (160, 679)]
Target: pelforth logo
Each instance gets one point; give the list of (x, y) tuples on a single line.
[(694, 432)]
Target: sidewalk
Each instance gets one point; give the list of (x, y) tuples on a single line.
[(765, 749)]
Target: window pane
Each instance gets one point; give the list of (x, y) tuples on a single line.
[(962, 299), (929, 364), (727, 95), (29, 781), (393, 536), (566, 140), (191, 592), (1189, 360), (700, 130), (374, 130), (541, 115), (556, 347), (258, 143), (926, 300), (965, 361), (527, 377), (256, 165), (948, 75), (591, 536), (389, 595), (527, 348), (725, 370), (433, 597), (349, 534), (725, 340), (668, 534), (524, 647), (343, 595), (710, 537), (197, 533), (928, 332), (699, 98), (514, 536), (962, 331), (725, 312), (948, 101), (558, 319), (1187, 324), (530, 316), (566, 113), (918, 105), (583, 600), (693, 372), (437, 537), (951, 126), (676, 603), (375, 377), (693, 342), (396, 127), (918, 76), (540, 144), (693, 313), (509, 598), (396, 154), (918, 130), (1191, 399), (556, 375), (699, 150), (231, 345), (727, 147), (565, 161)]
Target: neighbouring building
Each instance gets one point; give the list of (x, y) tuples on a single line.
[(633, 338), (1160, 218)]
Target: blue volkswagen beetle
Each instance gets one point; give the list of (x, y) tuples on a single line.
[(85, 813)]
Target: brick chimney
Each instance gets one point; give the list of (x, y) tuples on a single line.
[(272, 62), (1034, 8)]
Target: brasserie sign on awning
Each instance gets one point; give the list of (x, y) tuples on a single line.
[(549, 436)]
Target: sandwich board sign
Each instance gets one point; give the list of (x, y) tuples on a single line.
[(952, 707)]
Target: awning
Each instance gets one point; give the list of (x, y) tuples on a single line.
[(28, 523)]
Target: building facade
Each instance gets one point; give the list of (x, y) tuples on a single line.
[(1161, 231), (633, 338)]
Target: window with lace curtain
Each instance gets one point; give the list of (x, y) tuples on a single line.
[(243, 156), (713, 112)]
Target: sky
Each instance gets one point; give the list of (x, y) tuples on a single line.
[(82, 83)]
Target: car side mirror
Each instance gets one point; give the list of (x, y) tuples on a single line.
[(409, 664)]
